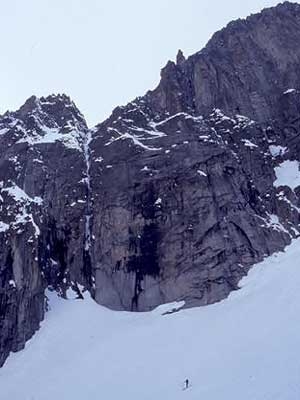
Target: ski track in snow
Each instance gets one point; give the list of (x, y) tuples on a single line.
[(245, 347)]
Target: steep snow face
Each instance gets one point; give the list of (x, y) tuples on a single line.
[(48, 120), (245, 347), (52, 135)]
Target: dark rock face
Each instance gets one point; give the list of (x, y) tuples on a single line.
[(42, 173), (174, 197), (243, 69)]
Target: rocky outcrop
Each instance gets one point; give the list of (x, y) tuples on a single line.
[(244, 68), (43, 202), (174, 197), (191, 208)]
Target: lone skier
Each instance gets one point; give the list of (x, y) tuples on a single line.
[(186, 383)]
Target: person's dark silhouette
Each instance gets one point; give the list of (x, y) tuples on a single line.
[(186, 382)]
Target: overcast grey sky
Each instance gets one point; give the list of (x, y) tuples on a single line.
[(102, 53)]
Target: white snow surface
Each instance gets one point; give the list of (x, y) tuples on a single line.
[(273, 222), (3, 131), (137, 140), (287, 174), (248, 143), (22, 216), (245, 347), (3, 226), (289, 91), (202, 173), (51, 135), (19, 195), (277, 150)]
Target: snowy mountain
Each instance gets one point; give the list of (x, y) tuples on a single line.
[(172, 199), (244, 347)]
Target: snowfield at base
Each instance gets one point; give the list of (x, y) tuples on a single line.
[(246, 347)]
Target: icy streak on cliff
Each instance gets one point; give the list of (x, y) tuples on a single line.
[(86, 150)]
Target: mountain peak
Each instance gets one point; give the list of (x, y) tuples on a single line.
[(180, 58), (246, 66), (53, 111)]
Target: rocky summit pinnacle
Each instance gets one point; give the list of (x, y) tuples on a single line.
[(174, 197)]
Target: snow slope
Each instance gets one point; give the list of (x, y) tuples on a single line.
[(245, 347)]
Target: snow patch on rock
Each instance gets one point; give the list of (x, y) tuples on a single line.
[(287, 174)]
